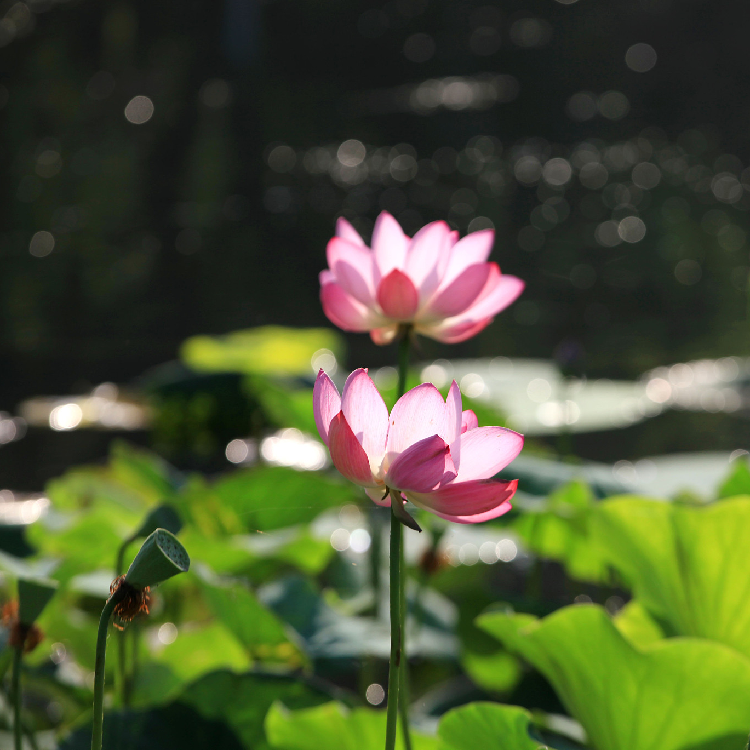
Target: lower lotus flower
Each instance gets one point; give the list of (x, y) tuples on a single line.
[(427, 450)]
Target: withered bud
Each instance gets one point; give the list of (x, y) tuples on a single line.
[(134, 601), (23, 637)]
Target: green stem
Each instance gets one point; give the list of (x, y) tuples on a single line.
[(121, 677), (397, 533), (403, 691), (16, 696), (403, 358), (398, 689), (101, 655)]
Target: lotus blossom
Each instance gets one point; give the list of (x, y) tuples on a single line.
[(441, 285), (427, 449)]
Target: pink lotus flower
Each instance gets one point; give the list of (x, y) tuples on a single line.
[(442, 285), (427, 449)]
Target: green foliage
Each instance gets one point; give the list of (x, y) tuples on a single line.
[(737, 481), (488, 725), (260, 632), (267, 498), (687, 565), (333, 727), (498, 671), (675, 694), (222, 710), (268, 350), (560, 530)]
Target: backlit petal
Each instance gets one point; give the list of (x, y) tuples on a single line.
[(347, 454), (389, 244), (346, 231), (385, 335), (366, 414), (487, 450), (352, 268), (428, 256), (345, 311), (418, 414), (461, 293), (472, 249), (397, 296), (376, 495), (469, 421), (468, 502), (453, 417), (422, 466), (326, 404)]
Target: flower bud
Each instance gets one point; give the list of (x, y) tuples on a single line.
[(161, 556)]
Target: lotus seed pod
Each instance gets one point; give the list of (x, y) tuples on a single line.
[(161, 517), (33, 596), (160, 557)]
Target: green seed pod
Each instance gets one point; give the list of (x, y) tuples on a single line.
[(33, 596), (161, 556), (161, 517)]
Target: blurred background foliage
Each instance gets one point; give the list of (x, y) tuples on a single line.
[(171, 178)]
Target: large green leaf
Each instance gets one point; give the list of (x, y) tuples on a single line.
[(333, 727), (198, 650), (487, 725), (497, 671), (559, 530), (268, 350), (737, 481), (272, 497), (675, 694), (261, 633), (687, 565)]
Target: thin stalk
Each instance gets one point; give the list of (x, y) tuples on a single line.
[(397, 533), (121, 672), (101, 655), (16, 697), (398, 576), (403, 687)]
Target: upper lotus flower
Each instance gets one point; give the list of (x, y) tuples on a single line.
[(441, 285), (428, 449)]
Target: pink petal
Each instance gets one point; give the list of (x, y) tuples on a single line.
[(345, 311), (389, 244), (418, 414), (346, 231), (422, 466), (428, 256), (376, 495), (326, 404), (366, 414), (487, 450), (382, 336), (454, 330), (468, 502), (347, 454), (453, 422), (472, 249), (397, 296), (461, 293), (352, 268), (498, 293), (469, 421)]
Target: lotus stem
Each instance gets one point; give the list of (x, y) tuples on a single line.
[(398, 689), (16, 697), (397, 533), (101, 654)]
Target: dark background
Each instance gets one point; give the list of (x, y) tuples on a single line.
[(182, 225)]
